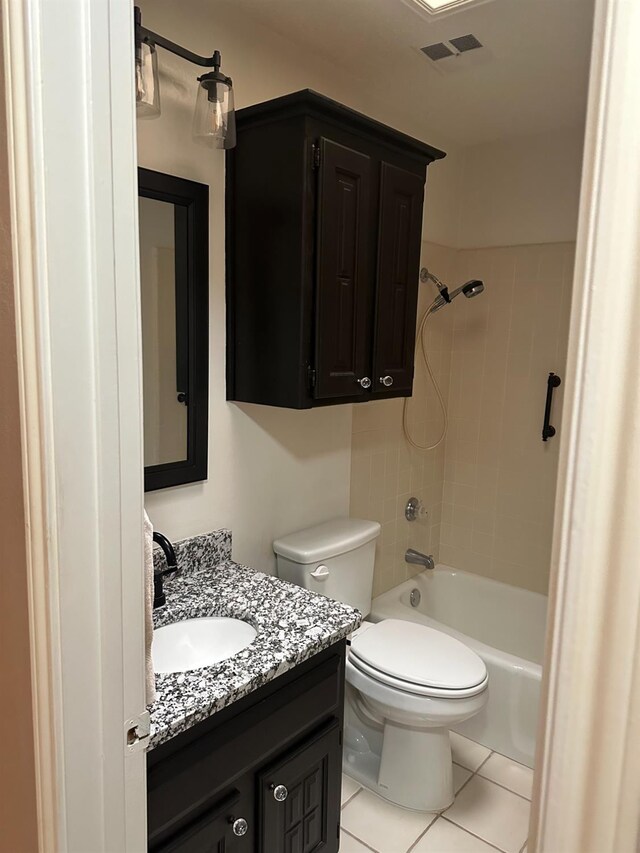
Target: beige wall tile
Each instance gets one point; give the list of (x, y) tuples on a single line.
[(489, 489), (386, 471), (494, 454)]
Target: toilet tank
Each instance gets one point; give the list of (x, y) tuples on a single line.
[(334, 559)]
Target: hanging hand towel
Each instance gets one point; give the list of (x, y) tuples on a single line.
[(150, 678)]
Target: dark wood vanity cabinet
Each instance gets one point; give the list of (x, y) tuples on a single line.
[(324, 223), (261, 776)]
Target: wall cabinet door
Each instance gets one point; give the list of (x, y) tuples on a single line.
[(399, 238), (343, 270), (299, 808)]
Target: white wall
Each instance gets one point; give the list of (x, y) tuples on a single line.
[(520, 191)]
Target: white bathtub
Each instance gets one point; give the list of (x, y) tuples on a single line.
[(505, 625)]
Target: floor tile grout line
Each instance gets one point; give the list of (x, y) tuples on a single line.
[(355, 838), (464, 785), (352, 797), (482, 763), (508, 757), (524, 845), (423, 833), (468, 831), (504, 788)]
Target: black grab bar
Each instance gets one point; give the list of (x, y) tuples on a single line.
[(549, 431)]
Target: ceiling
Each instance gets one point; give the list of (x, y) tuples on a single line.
[(531, 75)]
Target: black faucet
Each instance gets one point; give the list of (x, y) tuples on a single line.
[(159, 597)]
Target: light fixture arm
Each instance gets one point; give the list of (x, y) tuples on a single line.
[(142, 34)]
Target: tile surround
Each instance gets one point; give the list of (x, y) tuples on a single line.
[(489, 490), (485, 817)]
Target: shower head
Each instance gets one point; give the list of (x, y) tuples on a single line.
[(473, 288)]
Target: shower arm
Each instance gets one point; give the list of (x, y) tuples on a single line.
[(426, 275)]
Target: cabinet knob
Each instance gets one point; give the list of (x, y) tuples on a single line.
[(240, 826), (365, 382), (280, 793), (387, 381)]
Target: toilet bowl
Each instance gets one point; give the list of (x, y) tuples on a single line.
[(407, 684), (414, 683)]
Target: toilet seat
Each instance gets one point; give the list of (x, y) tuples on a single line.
[(419, 660)]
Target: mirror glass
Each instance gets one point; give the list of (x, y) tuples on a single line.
[(164, 388)]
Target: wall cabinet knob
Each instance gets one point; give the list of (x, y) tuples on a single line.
[(240, 826), (387, 381), (280, 793), (365, 382)]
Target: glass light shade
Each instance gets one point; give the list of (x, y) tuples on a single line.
[(214, 121), (147, 86)]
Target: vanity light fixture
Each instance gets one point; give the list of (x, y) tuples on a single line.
[(214, 118)]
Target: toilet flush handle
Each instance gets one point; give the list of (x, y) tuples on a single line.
[(321, 573)]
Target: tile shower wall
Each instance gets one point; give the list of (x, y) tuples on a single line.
[(489, 489), (499, 481), (385, 470)]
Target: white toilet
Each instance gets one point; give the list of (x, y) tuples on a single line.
[(407, 684)]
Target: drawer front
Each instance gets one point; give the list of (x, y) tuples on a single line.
[(182, 784), (299, 809), (227, 826)]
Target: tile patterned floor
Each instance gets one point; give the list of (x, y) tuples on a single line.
[(490, 811)]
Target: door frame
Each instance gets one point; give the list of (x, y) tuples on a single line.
[(587, 785), (72, 155)]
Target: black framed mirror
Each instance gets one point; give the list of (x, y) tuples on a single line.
[(174, 281)]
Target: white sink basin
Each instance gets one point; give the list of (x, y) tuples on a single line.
[(199, 642)]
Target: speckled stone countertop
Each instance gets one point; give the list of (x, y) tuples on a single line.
[(293, 624)]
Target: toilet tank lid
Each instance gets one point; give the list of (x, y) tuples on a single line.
[(323, 541)]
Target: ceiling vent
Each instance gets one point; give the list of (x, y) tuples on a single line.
[(452, 47), (455, 55), (464, 43), (437, 51)]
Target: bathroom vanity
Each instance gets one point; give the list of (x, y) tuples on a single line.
[(246, 755)]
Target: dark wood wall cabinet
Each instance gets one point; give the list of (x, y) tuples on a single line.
[(261, 776), (324, 223)]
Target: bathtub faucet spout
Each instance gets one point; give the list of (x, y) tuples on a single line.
[(419, 559)]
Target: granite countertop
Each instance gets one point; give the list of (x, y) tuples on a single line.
[(293, 624)]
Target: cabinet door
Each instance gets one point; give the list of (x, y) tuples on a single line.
[(225, 827), (399, 237), (343, 283), (300, 797)]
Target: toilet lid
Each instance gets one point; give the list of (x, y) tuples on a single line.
[(419, 655)]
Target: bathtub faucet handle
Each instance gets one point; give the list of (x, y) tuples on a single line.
[(417, 558)]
